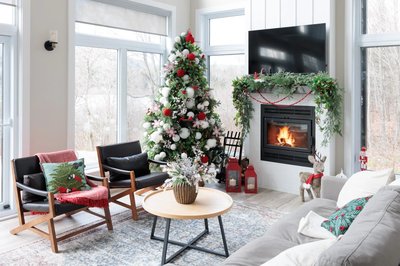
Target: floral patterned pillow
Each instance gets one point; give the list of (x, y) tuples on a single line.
[(341, 219)]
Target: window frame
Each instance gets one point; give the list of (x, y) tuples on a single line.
[(122, 47), (361, 41)]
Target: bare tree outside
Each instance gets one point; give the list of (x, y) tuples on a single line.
[(383, 88), (95, 99), (1, 116), (224, 69), (143, 81)]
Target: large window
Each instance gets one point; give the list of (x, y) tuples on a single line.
[(380, 82), (224, 34), (8, 35), (117, 71)]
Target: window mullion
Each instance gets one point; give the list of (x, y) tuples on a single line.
[(122, 95)]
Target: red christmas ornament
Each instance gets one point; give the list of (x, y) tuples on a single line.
[(195, 88), (62, 189), (180, 73), (191, 56), (74, 189), (204, 159), (201, 116), (183, 91), (77, 178), (167, 112), (189, 37)]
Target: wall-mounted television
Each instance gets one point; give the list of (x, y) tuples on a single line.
[(299, 49)]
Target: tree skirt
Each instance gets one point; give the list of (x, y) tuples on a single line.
[(130, 244)]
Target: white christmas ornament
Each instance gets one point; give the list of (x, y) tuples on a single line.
[(177, 39), (185, 77), (165, 91), (200, 106), (204, 124), (163, 155), (167, 82), (173, 147), (183, 33), (185, 52), (184, 155), (198, 135), (190, 103), (166, 126), (196, 61), (190, 114), (157, 157), (184, 133), (156, 137), (164, 100), (176, 138), (212, 121), (172, 58), (206, 103), (211, 143), (146, 125), (189, 92)]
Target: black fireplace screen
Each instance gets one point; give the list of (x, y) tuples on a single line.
[(287, 134)]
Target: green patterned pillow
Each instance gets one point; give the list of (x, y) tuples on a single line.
[(341, 219), (65, 177)]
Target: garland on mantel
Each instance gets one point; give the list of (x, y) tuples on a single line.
[(327, 97)]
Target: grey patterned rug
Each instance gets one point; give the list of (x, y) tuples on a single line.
[(130, 244)]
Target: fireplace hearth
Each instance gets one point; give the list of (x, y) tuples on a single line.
[(287, 134)]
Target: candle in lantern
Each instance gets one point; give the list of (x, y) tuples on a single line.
[(232, 182), (250, 186)]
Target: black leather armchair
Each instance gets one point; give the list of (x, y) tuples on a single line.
[(136, 181), (33, 197)]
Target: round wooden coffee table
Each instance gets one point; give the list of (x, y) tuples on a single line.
[(209, 203)]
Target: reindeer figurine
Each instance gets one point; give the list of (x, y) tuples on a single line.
[(312, 181)]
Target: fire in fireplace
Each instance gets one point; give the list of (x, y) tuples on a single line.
[(287, 134)]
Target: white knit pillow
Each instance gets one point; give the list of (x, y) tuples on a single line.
[(364, 184)]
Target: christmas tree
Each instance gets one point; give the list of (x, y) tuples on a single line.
[(182, 120)]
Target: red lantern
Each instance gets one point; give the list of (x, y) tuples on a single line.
[(233, 178), (250, 180)]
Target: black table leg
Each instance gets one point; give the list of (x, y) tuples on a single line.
[(206, 225), (166, 236), (153, 228), (221, 226)]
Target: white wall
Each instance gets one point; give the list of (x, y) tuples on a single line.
[(49, 72)]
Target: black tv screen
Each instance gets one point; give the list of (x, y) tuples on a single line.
[(299, 49)]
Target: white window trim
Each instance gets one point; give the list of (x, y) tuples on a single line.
[(123, 46), (202, 26), (355, 40)]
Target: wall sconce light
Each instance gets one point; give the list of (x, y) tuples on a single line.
[(53, 40)]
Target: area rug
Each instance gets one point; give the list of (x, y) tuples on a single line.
[(129, 243)]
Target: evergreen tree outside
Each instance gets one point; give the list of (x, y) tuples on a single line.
[(182, 120)]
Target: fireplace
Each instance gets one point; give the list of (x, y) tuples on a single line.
[(287, 134)]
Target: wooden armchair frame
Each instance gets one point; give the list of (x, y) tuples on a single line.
[(131, 190), (52, 214)]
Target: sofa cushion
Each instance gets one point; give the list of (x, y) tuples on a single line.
[(374, 236), (340, 220), (288, 225), (35, 181), (258, 251), (364, 184), (138, 163)]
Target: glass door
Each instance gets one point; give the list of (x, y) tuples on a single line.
[(5, 122)]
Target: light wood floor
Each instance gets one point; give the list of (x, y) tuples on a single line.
[(269, 198)]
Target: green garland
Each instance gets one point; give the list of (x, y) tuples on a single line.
[(327, 97)]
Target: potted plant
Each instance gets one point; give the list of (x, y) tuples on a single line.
[(185, 174)]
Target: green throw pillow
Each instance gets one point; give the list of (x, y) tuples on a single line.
[(340, 220), (65, 177)]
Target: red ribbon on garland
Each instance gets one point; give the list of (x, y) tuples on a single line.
[(278, 101)]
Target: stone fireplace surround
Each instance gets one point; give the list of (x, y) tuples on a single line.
[(278, 176)]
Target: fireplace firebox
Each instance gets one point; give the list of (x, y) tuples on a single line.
[(287, 134)]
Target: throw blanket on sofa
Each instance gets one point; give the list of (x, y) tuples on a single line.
[(310, 225), (96, 197)]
